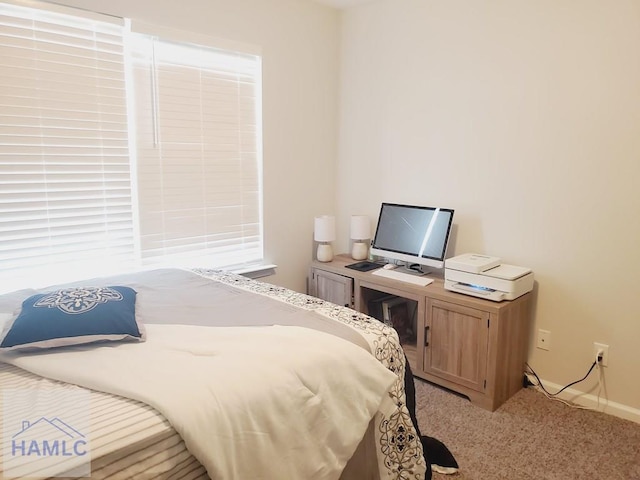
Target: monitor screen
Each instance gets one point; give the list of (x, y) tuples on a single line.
[(413, 234)]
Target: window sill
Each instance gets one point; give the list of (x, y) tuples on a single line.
[(256, 271)]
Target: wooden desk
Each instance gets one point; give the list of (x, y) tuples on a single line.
[(472, 346)]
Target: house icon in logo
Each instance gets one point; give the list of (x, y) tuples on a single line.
[(48, 438)]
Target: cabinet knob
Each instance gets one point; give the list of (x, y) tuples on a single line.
[(426, 337)]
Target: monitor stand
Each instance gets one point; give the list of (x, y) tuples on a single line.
[(414, 271)]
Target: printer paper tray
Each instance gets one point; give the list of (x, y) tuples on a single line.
[(476, 291)]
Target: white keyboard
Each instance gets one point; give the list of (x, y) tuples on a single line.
[(403, 277)]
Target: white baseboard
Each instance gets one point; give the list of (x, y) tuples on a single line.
[(590, 400)]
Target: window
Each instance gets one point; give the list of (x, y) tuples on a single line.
[(119, 150), (197, 152)]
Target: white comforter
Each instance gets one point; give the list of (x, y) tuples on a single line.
[(249, 402)]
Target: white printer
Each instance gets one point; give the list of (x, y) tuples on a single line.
[(486, 277)]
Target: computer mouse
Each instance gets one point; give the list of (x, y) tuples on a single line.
[(389, 266)]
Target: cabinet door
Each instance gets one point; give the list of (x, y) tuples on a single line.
[(456, 343), (332, 287)]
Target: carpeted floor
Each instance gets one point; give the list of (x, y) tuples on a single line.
[(529, 437)]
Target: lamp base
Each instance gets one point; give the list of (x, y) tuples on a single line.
[(325, 252), (359, 251)]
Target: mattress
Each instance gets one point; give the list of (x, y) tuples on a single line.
[(128, 438)]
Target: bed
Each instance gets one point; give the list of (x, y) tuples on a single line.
[(235, 378)]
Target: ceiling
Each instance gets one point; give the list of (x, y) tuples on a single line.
[(343, 3)]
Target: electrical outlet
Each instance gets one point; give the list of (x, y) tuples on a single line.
[(605, 352), (544, 339)]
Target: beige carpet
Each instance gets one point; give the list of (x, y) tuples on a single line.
[(529, 437)]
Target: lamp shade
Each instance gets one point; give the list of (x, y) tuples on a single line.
[(324, 229), (360, 227)]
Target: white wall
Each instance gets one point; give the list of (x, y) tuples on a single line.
[(525, 118), (299, 41)]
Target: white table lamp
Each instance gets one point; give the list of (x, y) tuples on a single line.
[(360, 234), (324, 232)]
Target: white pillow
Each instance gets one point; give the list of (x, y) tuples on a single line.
[(4, 319)]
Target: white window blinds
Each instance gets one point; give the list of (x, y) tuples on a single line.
[(198, 159), (119, 150), (65, 190)]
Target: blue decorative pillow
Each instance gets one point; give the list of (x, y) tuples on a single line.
[(74, 316)]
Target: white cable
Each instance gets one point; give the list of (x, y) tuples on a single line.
[(600, 375), (557, 399)]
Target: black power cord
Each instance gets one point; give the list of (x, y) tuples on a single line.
[(532, 371)]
